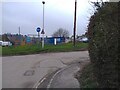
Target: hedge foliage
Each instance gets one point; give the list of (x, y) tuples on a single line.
[(103, 44)]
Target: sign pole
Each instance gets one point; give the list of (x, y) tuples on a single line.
[(38, 30)]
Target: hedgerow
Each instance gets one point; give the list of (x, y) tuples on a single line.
[(103, 34)]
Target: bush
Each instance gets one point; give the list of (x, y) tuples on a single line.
[(103, 44)]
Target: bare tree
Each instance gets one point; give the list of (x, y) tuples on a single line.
[(61, 33)]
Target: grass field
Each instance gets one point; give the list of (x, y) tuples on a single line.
[(0, 50), (34, 49)]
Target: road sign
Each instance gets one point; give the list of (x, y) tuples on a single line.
[(42, 31), (38, 29)]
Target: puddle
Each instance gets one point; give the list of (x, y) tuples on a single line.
[(29, 73)]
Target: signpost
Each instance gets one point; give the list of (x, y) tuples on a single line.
[(38, 30)]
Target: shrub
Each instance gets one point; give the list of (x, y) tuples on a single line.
[(103, 44)]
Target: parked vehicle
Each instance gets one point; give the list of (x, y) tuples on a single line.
[(5, 43), (84, 40)]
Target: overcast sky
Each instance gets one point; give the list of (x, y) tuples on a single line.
[(58, 14)]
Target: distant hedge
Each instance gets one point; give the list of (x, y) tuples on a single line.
[(103, 34)]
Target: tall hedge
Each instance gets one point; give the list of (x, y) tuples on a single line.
[(103, 44)]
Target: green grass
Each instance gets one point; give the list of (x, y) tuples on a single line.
[(34, 49), (0, 50), (86, 77)]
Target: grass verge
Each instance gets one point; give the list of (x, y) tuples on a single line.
[(86, 77), (34, 49), (0, 50)]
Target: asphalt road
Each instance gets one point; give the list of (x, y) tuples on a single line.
[(25, 71), (63, 78)]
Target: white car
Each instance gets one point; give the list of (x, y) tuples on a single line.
[(5, 43), (84, 39)]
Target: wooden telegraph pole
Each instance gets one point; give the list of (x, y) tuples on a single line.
[(74, 34)]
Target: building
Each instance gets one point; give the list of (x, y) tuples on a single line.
[(54, 40)]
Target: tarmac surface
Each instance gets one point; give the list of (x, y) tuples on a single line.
[(25, 71), (63, 78)]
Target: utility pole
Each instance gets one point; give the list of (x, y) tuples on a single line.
[(74, 34), (43, 32)]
